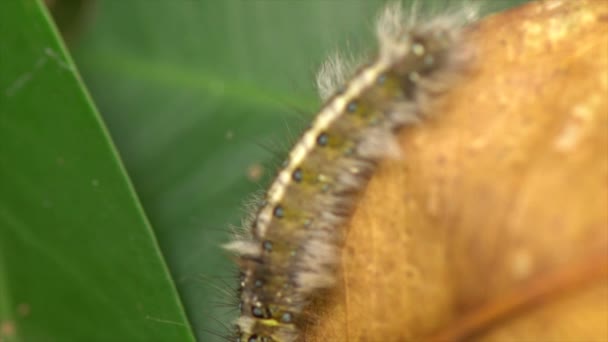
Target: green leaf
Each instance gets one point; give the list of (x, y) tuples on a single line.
[(78, 259)]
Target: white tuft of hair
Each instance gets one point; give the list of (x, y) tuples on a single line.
[(244, 248), (332, 75)]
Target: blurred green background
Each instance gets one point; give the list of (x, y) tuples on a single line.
[(201, 99)]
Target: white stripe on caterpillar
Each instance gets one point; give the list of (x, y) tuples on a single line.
[(292, 244)]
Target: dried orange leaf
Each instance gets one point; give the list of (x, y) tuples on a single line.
[(494, 226)]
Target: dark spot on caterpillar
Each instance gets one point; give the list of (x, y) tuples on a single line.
[(287, 317), (297, 175), (381, 79), (352, 106), (252, 338), (278, 211), (267, 245), (258, 312), (322, 139)]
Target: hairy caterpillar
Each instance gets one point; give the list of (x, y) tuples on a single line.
[(290, 249)]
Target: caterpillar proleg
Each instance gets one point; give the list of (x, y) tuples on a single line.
[(291, 243)]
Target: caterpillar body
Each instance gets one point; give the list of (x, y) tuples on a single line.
[(290, 249)]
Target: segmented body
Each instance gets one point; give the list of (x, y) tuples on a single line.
[(291, 248)]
